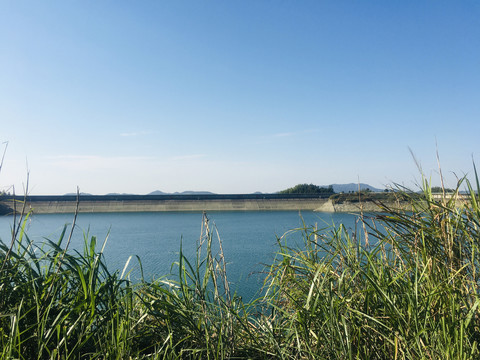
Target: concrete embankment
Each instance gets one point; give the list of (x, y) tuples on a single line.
[(365, 206), (175, 205), (107, 204), (55, 205)]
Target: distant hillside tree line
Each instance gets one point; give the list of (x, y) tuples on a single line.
[(308, 189), (367, 195), (4, 209), (439, 189)]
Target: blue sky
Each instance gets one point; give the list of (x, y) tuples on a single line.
[(236, 96)]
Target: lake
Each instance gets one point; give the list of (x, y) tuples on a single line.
[(248, 238)]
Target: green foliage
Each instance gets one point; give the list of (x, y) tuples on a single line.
[(54, 304), (404, 287), (57, 304), (4, 209), (364, 195), (439, 190), (308, 189)]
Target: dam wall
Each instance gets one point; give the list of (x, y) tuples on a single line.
[(174, 205), (168, 203), (52, 205)]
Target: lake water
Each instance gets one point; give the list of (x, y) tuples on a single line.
[(248, 238)]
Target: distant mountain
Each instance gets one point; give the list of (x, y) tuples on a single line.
[(338, 188), (194, 193), (87, 194), (158, 192)]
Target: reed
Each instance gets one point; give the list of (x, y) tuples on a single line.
[(406, 286), (402, 285)]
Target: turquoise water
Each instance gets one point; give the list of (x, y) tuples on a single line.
[(248, 238)]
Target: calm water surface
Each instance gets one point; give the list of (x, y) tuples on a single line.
[(248, 238)]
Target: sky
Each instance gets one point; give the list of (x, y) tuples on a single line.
[(236, 96)]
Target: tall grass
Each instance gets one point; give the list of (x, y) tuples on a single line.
[(405, 288), (403, 285)]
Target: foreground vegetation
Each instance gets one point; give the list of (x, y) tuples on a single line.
[(401, 286)]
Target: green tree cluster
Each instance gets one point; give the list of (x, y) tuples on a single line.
[(439, 190), (308, 189)]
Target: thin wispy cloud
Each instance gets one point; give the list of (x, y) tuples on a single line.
[(94, 161), (95, 157), (71, 157)]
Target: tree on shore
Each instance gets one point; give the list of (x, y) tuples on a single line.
[(439, 189), (308, 189)]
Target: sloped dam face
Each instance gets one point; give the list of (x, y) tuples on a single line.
[(140, 203)]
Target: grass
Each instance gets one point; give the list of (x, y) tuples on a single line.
[(404, 285)]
